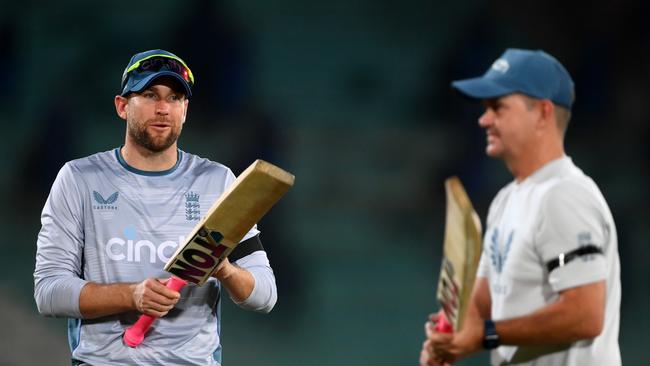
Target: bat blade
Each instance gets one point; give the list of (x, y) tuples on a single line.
[(462, 251), (242, 205)]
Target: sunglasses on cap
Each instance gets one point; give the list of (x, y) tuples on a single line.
[(161, 62)]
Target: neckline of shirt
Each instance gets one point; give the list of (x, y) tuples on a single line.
[(544, 171), (123, 163)]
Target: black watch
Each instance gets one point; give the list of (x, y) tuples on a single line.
[(490, 337)]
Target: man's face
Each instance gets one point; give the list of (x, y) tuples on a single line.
[(509, 123), (155, 116)]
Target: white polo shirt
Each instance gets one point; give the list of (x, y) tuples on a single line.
[(554, 212)]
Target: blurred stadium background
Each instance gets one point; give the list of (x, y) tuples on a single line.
[(352, 97)]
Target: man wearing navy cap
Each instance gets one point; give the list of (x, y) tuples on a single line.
[(113, 219), (548, 286)]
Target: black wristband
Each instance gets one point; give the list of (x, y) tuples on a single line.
[(490, 337)]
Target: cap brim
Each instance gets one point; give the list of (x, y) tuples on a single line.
[(481, 88), (147, 80)]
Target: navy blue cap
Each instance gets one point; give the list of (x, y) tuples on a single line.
[(534, 73), (134, 82)]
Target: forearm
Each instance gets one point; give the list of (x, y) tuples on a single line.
[(481, 298), (577, 314), (98, 300), (238, 282), (250, 283)]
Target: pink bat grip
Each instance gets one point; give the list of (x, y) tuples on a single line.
[(443, 326), (134, 335)]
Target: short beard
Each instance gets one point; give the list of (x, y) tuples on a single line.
[(138, 132)]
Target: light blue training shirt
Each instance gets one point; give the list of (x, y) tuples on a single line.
[(107, 222)]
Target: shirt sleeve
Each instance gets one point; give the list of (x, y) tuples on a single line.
[(59, 254), (570, 218), (265, 293)]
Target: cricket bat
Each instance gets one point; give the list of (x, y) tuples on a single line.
[(231, 216), (462, 252)]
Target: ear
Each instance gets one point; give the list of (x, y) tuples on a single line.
[(547, 113), (120, 106), (187, 103)]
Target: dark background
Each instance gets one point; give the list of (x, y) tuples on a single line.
[(353, 98)]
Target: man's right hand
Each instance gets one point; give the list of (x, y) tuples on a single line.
[(430, 355), (152, 297)]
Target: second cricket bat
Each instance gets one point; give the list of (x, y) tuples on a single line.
[(462, 252), (231, 216)]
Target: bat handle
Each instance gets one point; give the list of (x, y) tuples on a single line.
[(443, 326), (134, 335)]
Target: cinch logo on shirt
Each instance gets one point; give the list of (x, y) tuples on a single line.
[(105, 204), (118, 249)]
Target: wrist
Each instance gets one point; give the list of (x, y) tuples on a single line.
[(490, 337), (224, 271), (131, 296)]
